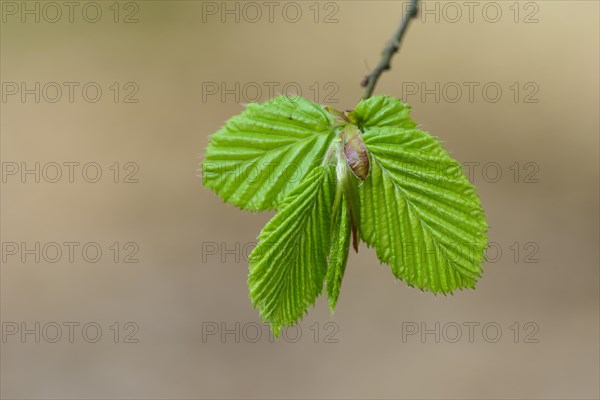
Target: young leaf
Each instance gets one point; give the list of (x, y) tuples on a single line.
[(338, 253), (380, 112), (420, 212), (352, 166), (263, 153), (367, 173), (289, 264)]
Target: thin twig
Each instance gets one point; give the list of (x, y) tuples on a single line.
[(370, 80)]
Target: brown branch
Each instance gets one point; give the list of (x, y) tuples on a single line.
[(370, 80)]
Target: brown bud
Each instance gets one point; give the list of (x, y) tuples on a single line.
[(356, 152)]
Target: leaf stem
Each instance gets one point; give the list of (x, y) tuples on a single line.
[(370, 80)]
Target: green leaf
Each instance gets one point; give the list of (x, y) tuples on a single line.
[(289, 264), (382, 111), (418, 209), (263, 153), (338, 253)]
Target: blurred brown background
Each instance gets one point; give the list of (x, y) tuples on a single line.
[(541, 286)]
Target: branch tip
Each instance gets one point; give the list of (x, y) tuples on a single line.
[(370, 80)]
